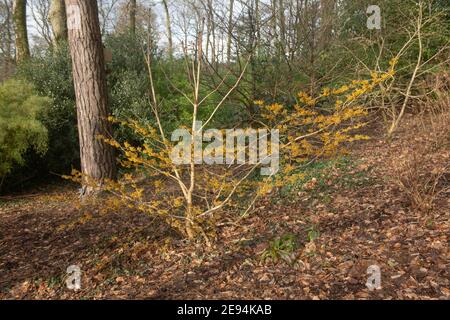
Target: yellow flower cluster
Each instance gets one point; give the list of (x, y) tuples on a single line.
[(306, 99)]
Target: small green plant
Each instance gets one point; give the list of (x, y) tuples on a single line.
[(19, 128), (313, 234), (280, 249), (54, 282)]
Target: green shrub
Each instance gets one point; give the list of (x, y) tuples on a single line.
[(51, 76), (19, 128), (128, 82)]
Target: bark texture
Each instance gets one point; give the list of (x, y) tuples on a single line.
[(97, 157), (58, 20), (20, 30)]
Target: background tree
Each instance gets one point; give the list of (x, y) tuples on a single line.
[(58, 20), (6, 40), (135, 20), (21, 32), (168, 28), (108, 14), (230, 29), (42, 35)]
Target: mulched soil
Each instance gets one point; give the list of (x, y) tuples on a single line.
[(132, 256)]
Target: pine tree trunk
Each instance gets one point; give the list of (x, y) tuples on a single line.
[(58, 20), (97, 157), (20, 30)]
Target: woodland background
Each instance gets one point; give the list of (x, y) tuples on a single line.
[(343, 202)]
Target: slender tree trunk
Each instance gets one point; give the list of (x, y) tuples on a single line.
[(396, 120), (9, 25), (132, 18), (97, 157), (258, 27), (168, 28), (230, 30), (20, 30), (326, 22), (274, 23), (7, 39), (282, 24), (213, 31), (58, 20)]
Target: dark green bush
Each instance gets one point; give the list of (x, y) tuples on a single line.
[(51, 75)]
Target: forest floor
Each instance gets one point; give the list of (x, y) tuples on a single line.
[(352, 213)]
